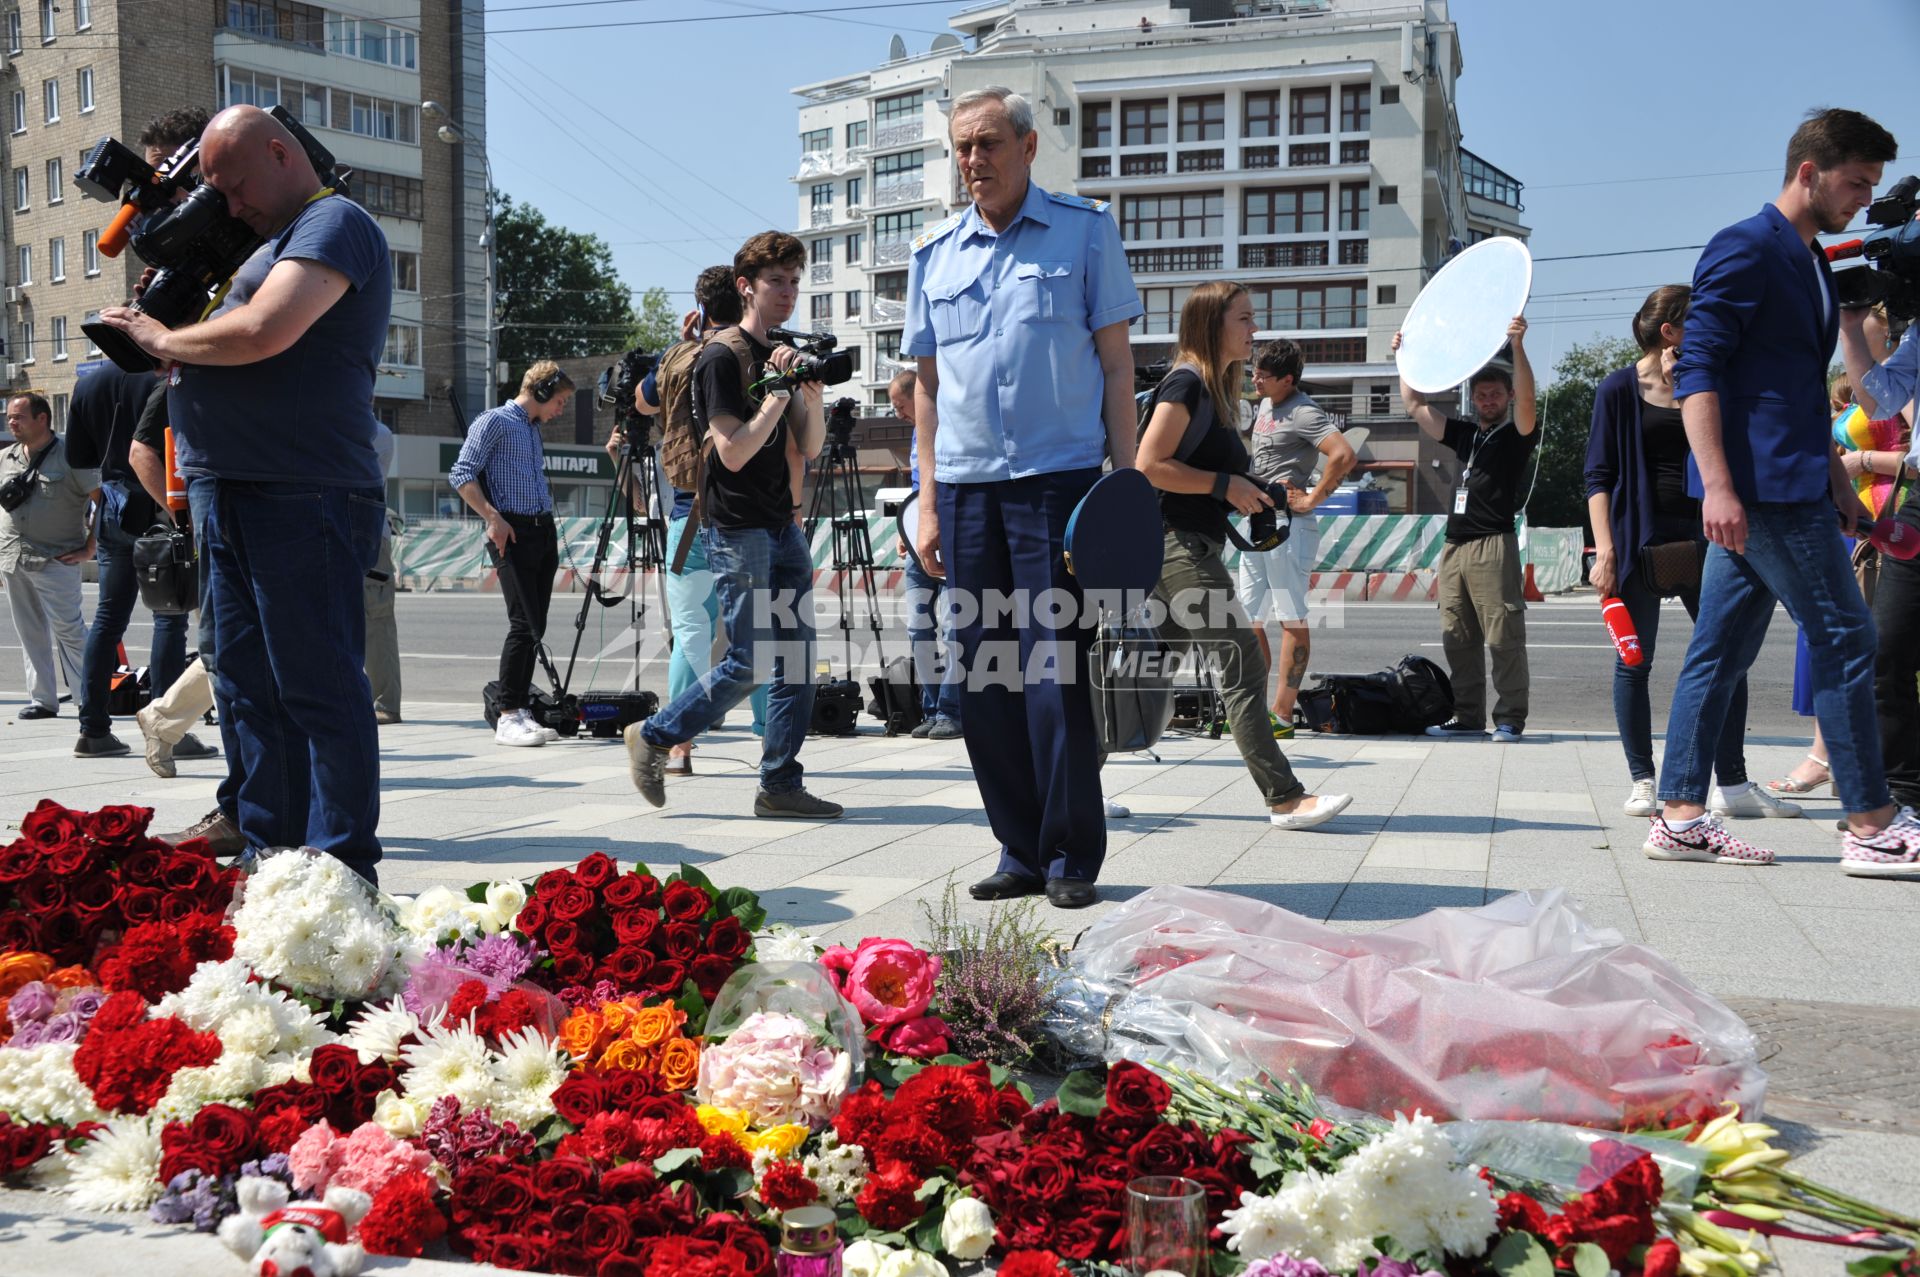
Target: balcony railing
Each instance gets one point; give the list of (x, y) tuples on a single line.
[(814, 164), (1208, 161), (899, 190), (892, 250), (822, 273), (1308, 154), (1161, 261), (886, 310), (1148, 165), (1259, 157), (1353, 252), (900, 134), (1282, 256), (1096, 166), (820, 216), (1356, 152)]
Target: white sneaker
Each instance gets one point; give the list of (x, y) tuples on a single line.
[(1116, 811), (1506, 734), (1324, 808), (1641, 801), (1749, 802), (516, 729), (546, 733)]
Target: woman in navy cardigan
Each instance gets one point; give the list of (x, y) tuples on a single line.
[(1637, 497)]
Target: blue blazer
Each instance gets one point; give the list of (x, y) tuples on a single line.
[(1760, 334), (1616, 465)]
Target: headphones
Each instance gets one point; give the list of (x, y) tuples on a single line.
[(547, 387)]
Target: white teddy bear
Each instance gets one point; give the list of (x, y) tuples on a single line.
[(304, 1239)]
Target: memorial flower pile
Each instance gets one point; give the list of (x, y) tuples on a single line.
[(602, 1072)]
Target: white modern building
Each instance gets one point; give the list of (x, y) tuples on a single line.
[(1310, 149)]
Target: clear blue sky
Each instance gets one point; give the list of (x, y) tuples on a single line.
[(1634, 123)]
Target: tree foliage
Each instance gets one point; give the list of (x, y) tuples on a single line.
[(557, 293), (658, 325), (1566, 415)]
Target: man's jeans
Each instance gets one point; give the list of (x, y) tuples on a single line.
[(287, 563), (119, 590), (765, 582), (928, 620), (695, 609), (200, 499), (1794, 554)]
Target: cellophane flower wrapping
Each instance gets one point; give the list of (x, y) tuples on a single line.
[(782, 1045), (1522, 1008)]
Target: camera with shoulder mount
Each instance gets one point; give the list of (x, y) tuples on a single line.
[(620, 382), (193, 243), (1892, 271), (818, 360)]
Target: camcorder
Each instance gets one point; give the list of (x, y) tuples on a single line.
[(620, 382), (841, 420), (1892, 252), (180, 226), (818, 361)]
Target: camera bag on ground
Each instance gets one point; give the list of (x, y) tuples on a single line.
[(1405, 700), (684, 442), (165, 567), (1132, 673), (836, 707), (539, 704), (608, 714), (896, 696)]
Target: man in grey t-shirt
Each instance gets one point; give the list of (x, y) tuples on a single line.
[(1291, 436)]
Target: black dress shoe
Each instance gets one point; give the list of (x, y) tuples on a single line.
[(1069, 893), (1006, 886), (32, 712)]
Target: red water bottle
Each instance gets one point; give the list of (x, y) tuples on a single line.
[(1891, 537), (1626, 640)]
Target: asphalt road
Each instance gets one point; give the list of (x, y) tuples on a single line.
[(450, 644)]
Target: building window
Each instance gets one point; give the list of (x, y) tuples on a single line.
[(856, 187), (82, 14), (90, 252), (1193, 215), (1387, 294), (816, 140), (46, 22), (86, 89), (59, 326), (820, 252), (857, 135), (403, 345), (1389, 195), (1163, 307), (1262, 114), (306, 102), (1290, 210), (57, 258), (406, 271), (821, 308), (855, 242), (897, 109), (1096, 125), (13, 32), (1143, 124), (56, 189), (26, 340), (1353, 206), (1390, 95), (19, 110), (22, 193), (820, 196), (891, 286), (853, 303), (1353, 252), (1309, 307), (50, 98), (1203, 119), (906, 163), (360, 38), (886, 347), (1309, 111), (390, 195), (59, 406), (389, 121), (1356, 108)]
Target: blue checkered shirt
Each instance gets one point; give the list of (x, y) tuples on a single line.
[(503, 448)]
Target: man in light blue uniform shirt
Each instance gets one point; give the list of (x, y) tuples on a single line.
[(1017, 311)]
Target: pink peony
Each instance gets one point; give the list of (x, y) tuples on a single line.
[(888, 981), (921, 1038)]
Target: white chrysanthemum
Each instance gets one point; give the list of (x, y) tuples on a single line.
[(784, 944), (119, 1168), (236, 1075), (38, 1084), (215, 991), (839, 1169), (399, 1116), (527, 1071), (1468, 1218), (449, 1061), (378, 1031), (315, 928)]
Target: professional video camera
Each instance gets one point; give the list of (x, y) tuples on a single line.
[(840, 421), (817, 362), (620, 381), (1892, 272), (194, 244)]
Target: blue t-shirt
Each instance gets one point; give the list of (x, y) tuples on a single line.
[(306, 414)]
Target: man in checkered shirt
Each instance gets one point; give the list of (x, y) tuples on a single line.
[(499, 475)]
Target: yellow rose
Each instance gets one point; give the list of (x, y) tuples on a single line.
[(19, 967), (654, 1025), (581, 1034), (621, 1053), (678, 1065), (719, 1121), (782, 1141)]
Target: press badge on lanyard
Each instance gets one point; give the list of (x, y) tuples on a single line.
[(1460, 493)]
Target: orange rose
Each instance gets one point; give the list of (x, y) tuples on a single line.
[(72, 978), (679, 1064), (18, 968), (623, 1054), (581, 1033), (656, 1024), (619, 1016)]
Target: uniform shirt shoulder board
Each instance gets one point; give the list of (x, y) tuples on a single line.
[(937, 231), (1077, 201)]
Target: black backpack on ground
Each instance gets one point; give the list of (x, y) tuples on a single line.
[(896, 696), (1405, 700)]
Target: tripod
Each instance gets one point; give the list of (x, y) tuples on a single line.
[(836, 495), (636, 484)]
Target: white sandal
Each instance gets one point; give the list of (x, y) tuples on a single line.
[(1788, 787)]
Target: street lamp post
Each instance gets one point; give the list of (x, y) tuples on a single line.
[(453, 135)]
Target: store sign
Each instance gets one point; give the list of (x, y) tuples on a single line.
[(582, 464)]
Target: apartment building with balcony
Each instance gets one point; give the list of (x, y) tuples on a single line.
[(1310, 149), (354, 73)]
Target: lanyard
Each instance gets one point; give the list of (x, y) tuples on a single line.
[(1479, 437)]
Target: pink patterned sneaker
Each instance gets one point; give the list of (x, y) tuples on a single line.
[(1894, 852), (1707, 841)]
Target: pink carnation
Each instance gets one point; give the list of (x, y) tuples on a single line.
[(888, 981), (369, 1159)]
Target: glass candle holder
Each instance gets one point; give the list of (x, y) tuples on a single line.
[(809, 1244), (1167, 1227)]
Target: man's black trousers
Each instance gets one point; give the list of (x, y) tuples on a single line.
[(526, 583)]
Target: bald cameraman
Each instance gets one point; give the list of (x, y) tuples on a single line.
[(274, 400)]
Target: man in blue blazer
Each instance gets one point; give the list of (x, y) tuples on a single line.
[(1751, 381)]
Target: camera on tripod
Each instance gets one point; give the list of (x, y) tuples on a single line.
[(194, 244), (1892, 272), (818, 360), (620, 382), (840, 421)]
